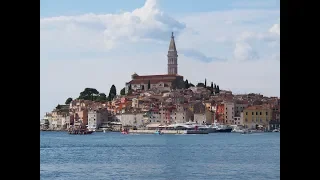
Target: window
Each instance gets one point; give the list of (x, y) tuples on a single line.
[(183, 118), (260, 113), (256, 113), (252, 113), (175, 117), (267, 113), (246, 120), (246, 113)]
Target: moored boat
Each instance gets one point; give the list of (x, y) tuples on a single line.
[(158, 132), (221, 128)]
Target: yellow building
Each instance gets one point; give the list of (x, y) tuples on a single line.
[(257, 115)]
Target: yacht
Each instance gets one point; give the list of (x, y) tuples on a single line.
[(221, 128)]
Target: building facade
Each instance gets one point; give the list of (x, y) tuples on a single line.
[(257, 115), (97, 117)]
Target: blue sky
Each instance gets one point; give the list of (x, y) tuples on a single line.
[(97, 43)]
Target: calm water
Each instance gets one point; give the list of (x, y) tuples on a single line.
[(137, 157)]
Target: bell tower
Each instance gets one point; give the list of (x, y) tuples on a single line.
[(172, 57)]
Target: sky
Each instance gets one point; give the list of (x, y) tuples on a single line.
[(97, 43)]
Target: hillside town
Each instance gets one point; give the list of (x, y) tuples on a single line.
[(158, 100)]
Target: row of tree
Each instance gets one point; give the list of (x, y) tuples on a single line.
[(213, 88), (94, 95)]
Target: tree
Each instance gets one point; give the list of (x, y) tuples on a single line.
[(211, 85), (142, 88), (215, 86), (101, 97), (68, 101), (218, 90), (200, 85), (149, 84), (58, 106), (88, 94), (205, 82), (123, 91), (186, 84), (112, 92), (191, 85)]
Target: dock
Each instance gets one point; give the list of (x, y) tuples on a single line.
[(167, 132)]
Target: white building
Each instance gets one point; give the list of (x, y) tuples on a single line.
[(97, 117)]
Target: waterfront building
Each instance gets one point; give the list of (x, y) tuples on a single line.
[(257, 115), (96, 117)]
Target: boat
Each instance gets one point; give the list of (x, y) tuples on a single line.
[(190, 128), (158, 132), (246, 131), (237, 130), (221, 128), (275, 130), (80, 131), (125, 131)]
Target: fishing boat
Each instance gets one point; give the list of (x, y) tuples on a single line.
[(79, 130)]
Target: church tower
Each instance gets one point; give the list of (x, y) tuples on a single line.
[(172, 57)]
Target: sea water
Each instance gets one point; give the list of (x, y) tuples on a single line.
[(218, 156)]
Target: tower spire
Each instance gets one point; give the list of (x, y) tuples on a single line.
[(172, 57), (172, 46)]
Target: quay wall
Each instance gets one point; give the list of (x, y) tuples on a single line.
[(153, 131)]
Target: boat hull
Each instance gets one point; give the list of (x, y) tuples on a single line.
[(196, 132), (224, 130), (80, 132)]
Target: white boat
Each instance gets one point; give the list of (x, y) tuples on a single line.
[(275, 130), (221, 128)]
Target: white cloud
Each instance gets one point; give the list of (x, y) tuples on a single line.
[(147, 23), (275, 29), (97, 51), (243, 51)]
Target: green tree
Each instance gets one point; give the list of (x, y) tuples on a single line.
[(211, 85), (205, 82), (200, 85), (58, 106), (112, 92), (186, 84), (218, 89), (191, 85), (88, 94), (68, 101), (123, 91), (215, 86), (149, 84), (101, 97)]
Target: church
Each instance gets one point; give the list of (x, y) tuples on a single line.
[(168, 81)]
